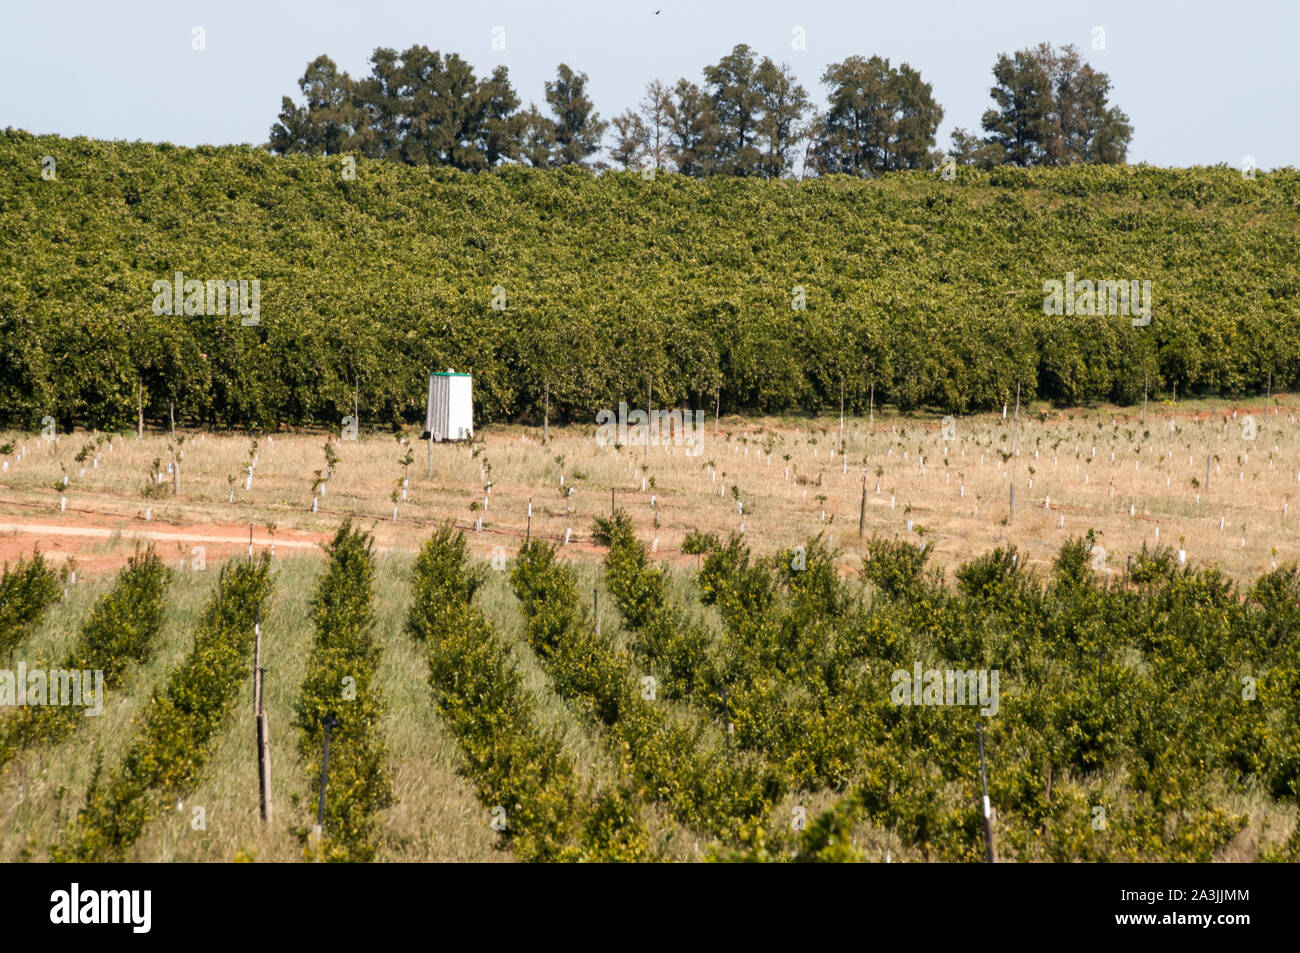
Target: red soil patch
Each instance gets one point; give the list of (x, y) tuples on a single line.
[(103, 546)]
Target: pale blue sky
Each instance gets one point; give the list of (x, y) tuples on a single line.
[(1203, 82)]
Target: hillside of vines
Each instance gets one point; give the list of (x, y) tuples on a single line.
[(586, 289)]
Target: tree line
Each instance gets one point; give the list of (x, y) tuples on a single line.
[(749, 116)]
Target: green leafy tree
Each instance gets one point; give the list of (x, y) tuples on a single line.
[(329, 120), (880, 118), (1089, 129), (737, 95), (631, 139), (1052, 109), (969, 149), (25, 391), (781, 127), (578, 127), (1022, 122), (642, 136), (536, 138), (692, 130), (379, 98), (425, 108)]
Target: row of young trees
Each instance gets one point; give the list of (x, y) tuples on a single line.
[(173, 735), (1088, 753), (750, 117), (120, 633)]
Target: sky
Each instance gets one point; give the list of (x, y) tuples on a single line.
[(1202, 82)]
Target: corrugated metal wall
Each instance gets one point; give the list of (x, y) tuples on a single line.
[(450, 414)]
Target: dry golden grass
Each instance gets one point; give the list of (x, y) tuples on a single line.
[(788, 476)]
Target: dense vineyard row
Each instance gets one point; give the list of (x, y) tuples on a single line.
[(775, 675), (663, 636), (26, 592), (789, 677), (122, 631), (174, 733), (774, 293), (341, 686), (672, 760), (1129, 714), (519, 769)]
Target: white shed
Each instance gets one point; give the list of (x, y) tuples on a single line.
[(450, 413)]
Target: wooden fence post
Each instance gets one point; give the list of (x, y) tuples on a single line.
[(862, 510)]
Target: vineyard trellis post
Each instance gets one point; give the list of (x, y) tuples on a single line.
[(264, 762), (329, 723), (862, 509), (649, 403), (259, 713), (841, 414), (990, 855), (1015, 438), (257, 659)]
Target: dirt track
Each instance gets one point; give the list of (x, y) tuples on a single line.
[(101, 548)]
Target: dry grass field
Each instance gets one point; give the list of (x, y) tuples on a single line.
[(777, 480)]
